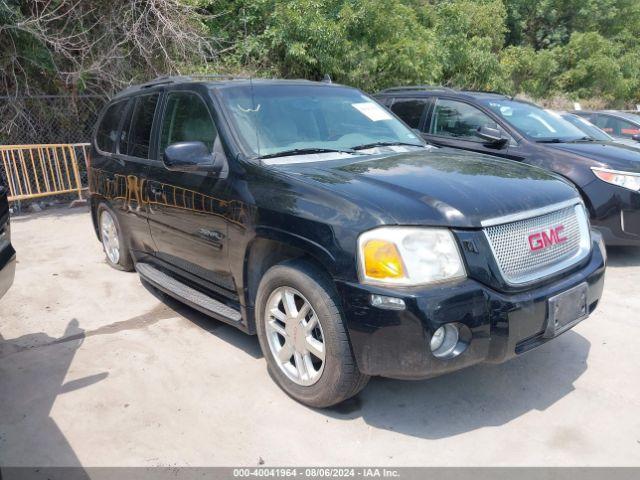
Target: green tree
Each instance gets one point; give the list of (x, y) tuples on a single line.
[(470, 36)]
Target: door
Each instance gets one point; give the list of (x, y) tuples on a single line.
[(7, 253), (118, 170), (455, 124), (188, 210)]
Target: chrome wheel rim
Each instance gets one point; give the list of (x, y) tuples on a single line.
[(295, 336), (109, 235)]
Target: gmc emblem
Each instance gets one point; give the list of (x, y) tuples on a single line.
[(541, 240)]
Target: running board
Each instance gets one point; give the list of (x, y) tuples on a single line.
[(188, 295)]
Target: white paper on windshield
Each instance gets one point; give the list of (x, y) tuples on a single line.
[(372, 111)]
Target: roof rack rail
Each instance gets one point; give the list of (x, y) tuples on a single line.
[(418, 87), (165, 79), (495, 92), (169, 79), (217, 76)]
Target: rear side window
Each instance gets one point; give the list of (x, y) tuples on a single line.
[(186, 119), (410, 110), (106, 137), (136, 132)]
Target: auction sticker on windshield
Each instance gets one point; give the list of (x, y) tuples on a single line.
[(372, 111)]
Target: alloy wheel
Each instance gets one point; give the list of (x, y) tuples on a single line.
[(109, 235), (295, 336)]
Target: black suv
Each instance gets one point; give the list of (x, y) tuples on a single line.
[(7, 253), (606, 173), (307, 213)]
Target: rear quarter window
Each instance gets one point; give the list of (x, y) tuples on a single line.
[(410, 110), (135, 139), (107, 133)]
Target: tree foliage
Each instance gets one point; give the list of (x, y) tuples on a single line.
[(542, 48), (51, 46)]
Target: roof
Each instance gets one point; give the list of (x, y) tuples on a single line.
[(629, 115), (430, 90), (634, 117), (218, 81)]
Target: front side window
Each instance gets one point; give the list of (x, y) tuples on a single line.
[(458, 120), (186, 119), (410, 110), (534, 122), (106, 136), (617, 126), (136, 132), (272, 119)]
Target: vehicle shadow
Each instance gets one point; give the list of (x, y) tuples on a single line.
[(623, 256), (247, 343), (54, 211), (32, 374), (480, 396)]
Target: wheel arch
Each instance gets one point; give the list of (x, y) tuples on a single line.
[(271, 247), (93, 205)]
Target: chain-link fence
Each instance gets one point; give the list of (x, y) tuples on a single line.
[(48, 119), (38, 120)]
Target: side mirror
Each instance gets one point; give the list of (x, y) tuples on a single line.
[(190, 157), (492, 136), (636, 137)]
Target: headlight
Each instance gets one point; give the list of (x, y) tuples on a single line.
[(628, 180), (408, 256)]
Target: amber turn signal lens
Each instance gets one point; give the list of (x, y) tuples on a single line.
[(382, 260)]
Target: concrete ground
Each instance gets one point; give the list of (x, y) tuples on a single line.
[(97, 370)]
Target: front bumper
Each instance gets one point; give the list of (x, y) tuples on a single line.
[(395, 344), (615, 212)]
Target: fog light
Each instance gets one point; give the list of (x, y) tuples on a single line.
[(445, 341), (437, 339), (388, 303)]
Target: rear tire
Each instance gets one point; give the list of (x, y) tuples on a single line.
[(113, 242), (307, 349)]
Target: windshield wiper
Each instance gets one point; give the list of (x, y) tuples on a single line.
[(584, 139), (304, 151), (384, 144), (564, 140)]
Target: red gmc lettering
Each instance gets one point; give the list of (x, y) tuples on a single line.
[(538, 241)]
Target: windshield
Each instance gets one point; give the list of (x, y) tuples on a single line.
[(298, 119), (535, 122), (587, 127)]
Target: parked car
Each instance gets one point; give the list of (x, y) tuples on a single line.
[(306, 213), (607, 175), (595, 132), (7, 253), (620, 125)]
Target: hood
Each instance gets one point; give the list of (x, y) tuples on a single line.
[(604, 154), (439, 187)]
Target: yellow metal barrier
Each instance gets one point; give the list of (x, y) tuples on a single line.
[(34, 171)]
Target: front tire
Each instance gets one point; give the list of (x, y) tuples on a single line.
[(303, 336), (113, 242)]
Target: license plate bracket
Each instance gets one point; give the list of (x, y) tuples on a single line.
[(566, 310)]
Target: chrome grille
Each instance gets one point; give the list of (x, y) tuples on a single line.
[(520, 264)]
